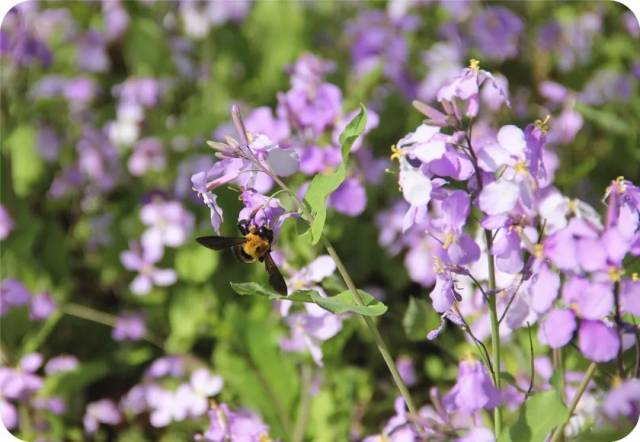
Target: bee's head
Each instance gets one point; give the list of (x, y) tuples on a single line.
[(265, 232)]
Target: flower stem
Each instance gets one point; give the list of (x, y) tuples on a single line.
[(495, 329), (382, 346), (557, 435), (305, 403), (618, 320)]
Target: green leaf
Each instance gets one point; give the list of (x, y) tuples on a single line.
[(74, 381), (26, 162), (187, 313), (144, 34), (539, 415), (344, 302), (323, 185), (606, 119), (416, 321), (196, 263), (256, 289), (341, 303)]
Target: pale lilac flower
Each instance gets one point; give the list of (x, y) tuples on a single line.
[(91, 53), (598, 341), (557, 329), (240, 426), (129, 327), (8, 414), (6, 223), (496, 32), (103, 411), (444, 60), (12, 294), (316, 109), (142, 260), (262, 121), (61, 364), (350, 198), (49, 143), (115, 18), (473, 391), (41, 306), (570, 40), (199, 17), (148, 154), (406, 370), (200, 182), (169, 223), (623, 399), (309, 329), (166, 366)]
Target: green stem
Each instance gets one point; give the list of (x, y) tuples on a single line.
[(305, 402), (557, 435), (382, 346), (495, 329), (90, 314)]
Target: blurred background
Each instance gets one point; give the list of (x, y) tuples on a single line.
[(106, 107)]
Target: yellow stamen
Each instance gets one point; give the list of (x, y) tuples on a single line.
[(474, 64), (437, 265), (449, 239), (537, 251), (543, 125), (573, 205), (396, 153), (620, 185), (265, 438), (616, 382), (521, 167), (635, 277), (615, 274)]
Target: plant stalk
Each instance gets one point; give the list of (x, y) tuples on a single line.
[(557, 434), (382, 346), (495, 329)]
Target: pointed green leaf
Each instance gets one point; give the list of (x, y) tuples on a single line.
[(256, 289), (539, 415), (323, 185), (344, 302)]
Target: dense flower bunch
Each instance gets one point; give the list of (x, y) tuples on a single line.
[(504, 242), (499, 302)]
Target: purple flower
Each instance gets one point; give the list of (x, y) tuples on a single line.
[(262, 121), (261, 210), (103, 411), (309, 70), (61, 364), (316, 109), (443, 294), (623, 399), (496, 31), (570, 40), (6, 223), (148, 154), (350, 198), (473, 391), (49, 143), (21, 383), (557, 328), (241, 426), (115, 18), (8, 414), (169, 223), (598, 341), (166, 366), (91, 53), (406, 370), (309, 329), (42, 305), (12, 294), (142, 259), (129, 327), (198, 17)]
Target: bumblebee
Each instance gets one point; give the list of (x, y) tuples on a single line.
[(254, 246)]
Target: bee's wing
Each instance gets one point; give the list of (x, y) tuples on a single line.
[(275, 277), (220, 242)]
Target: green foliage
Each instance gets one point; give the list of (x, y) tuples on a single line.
[(538, 417), (418, 319), (323, 185), (341, 303), (26, 162), (195, 263), (187, 315)]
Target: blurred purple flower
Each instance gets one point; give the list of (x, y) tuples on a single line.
[(166, 366), (623, 399), (473, 391), (557, 328), (6, 223), (8, 414), (148, 154), (597, 341), (570, 40), (49, 143), (41, 306), (496, 32), (12, 294), (104, 411), (240, 425), (316, 109), (168, 224), (91, 53), (116, 19), (350, 198), (143, 259), (129, 327), (61, 364), (406, 370)]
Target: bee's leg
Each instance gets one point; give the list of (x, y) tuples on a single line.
[(243, 226)]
